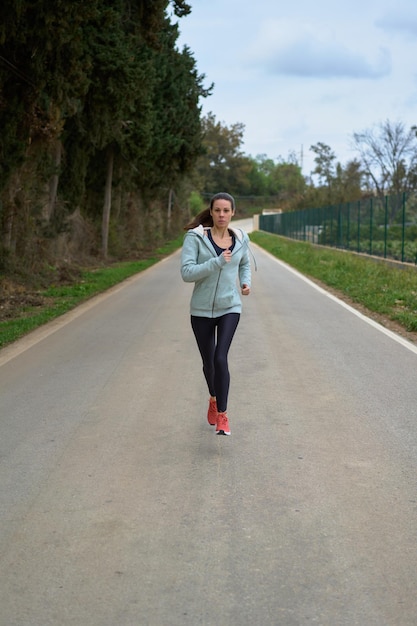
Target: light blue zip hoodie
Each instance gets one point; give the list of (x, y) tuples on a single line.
[(216, 290)]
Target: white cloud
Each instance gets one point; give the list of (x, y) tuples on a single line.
[(307, 49), (310, 58), (398, 22)]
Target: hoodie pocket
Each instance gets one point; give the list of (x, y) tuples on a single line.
[(226, 301), (226, 295)]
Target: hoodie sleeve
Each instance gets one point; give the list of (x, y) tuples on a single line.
[(244, 265), (191, 270)]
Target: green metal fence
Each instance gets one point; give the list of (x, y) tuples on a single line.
[(385, 227)]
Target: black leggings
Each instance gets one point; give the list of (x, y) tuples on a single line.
[(214, 350)]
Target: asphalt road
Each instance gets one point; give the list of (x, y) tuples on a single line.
[(119, 506)]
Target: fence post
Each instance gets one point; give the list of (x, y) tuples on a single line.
[(348, 226), (386, 227), (331, 226), (403, 231), (371, 216), (359, 226), (339, 227)]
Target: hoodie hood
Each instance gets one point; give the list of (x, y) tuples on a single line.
[(200, 230)]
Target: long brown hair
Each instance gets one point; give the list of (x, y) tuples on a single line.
[(204, 217)]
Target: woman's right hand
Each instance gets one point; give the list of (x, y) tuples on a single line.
[(227, 254)]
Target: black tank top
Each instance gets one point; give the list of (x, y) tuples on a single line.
[(217, 248)]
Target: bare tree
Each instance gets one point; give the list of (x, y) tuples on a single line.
[(388, 154), (325, 163)]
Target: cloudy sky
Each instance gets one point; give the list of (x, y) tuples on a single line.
[(296, 73)]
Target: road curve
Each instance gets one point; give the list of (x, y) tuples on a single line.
[(119, 505)]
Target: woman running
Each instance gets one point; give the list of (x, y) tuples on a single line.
[(214, 257)]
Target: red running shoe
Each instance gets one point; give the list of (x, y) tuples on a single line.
[(222, 426), (212, 412)]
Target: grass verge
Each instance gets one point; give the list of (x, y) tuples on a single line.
[(382, 289), (58, 299)]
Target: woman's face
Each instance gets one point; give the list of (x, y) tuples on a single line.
[(222, 213)]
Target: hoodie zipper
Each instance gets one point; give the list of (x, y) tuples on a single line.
[(218, 277), (220, 270), (215, 291)]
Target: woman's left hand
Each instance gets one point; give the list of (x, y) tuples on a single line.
[(245, 290)]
